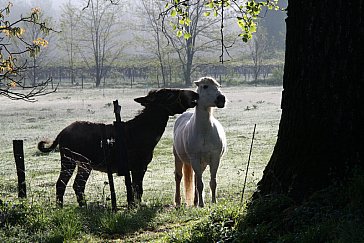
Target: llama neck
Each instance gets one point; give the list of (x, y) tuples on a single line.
[(203, 117), (151, 123)]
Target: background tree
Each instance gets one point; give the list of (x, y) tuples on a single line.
[(99, 31), (199, 37), (67, 38), (158, 43), (11, 68), (275, 26), (258, 47)]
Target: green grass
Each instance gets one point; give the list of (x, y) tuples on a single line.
[(156, 220)]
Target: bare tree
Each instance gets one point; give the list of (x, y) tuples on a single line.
[(99, 31), (258, 46), (152, 26), (67, 38)]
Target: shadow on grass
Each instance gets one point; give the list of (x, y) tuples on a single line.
[(108, 224)]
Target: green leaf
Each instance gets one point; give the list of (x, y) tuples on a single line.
[(253, 28), (187, 35), (206, 14), (179, 33), (215, 13), (173, 13), (187, 21)]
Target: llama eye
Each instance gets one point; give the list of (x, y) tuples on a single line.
[(205, 86)]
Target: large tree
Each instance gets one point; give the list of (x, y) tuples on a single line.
[(320, 139)]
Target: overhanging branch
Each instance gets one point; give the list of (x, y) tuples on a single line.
[(25, 93)]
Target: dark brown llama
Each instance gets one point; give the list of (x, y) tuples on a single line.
[(79, 143)]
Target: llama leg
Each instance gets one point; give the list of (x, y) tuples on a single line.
[(129, 190), (177, 177), (137, 183), (195, 200), (83, 173), (199, 187), (67, 168), (197, 168), (213, 172)]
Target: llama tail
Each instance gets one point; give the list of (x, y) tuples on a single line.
[(189, 185), (42, 146)]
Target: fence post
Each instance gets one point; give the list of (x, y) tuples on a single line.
[(120, 155), (20, 167)]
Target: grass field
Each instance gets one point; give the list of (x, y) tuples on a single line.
[(44, 119)]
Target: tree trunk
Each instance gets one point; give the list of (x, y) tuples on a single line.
[(187, 75), (320, 139), (189, 61), (98, 80), (163, 72)]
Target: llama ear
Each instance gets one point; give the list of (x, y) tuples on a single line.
[(145, 100), (142, 100), (197, 82)]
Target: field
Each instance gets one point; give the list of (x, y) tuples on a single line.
[(32, 122)]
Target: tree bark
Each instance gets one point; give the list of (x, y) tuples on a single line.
[(320, 139)]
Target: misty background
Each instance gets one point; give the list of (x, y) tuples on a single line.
[(125, 45)]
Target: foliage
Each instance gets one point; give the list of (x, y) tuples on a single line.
[(247, 13), (10, 66)]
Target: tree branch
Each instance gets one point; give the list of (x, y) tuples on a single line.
[(30, 95)]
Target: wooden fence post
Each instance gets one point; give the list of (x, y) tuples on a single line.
[(121, 156), (20, 167)]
